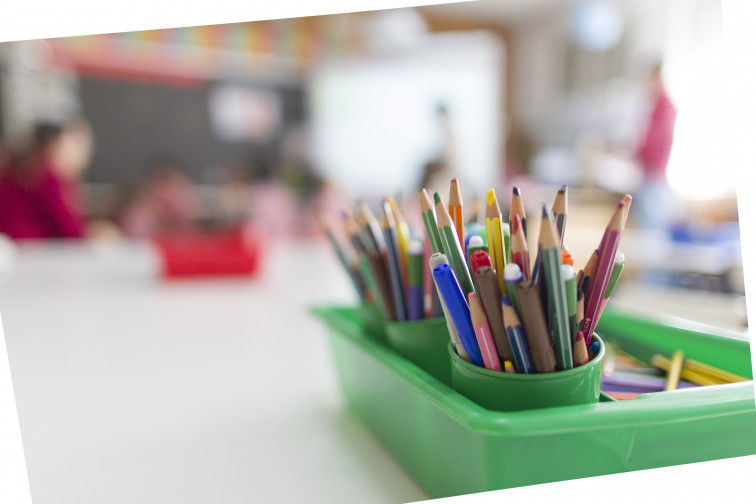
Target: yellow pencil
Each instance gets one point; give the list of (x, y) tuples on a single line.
[(495, 238)]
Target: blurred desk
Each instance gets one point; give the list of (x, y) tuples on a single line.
[(133, 389)]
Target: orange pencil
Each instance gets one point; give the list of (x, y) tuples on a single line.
[(456, 211)]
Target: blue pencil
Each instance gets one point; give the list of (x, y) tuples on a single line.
[(517, 338)]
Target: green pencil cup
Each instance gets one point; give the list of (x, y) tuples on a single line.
[(499, 391), (423, 342), (373, 321)]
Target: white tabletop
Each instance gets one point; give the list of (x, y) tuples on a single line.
[(134, 389)]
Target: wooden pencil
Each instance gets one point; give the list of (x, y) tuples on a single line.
[(452, 247), (520, 247), (604, 265), (429, 220), (456, 211), (559, 209), (556, 296), (388, 225), (495, 237), (516, 208), (371, 226), (483, 334), (580, 351)]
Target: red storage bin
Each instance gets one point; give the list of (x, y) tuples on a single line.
[(206, 254)]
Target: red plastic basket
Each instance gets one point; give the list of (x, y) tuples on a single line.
[(207, 254)]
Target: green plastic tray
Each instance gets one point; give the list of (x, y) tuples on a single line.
[(452, 446)]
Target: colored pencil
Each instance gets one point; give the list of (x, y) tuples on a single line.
[(456, 211), (393, 259), (454, 297), (403, 237), (370, 226), (349, 266), (517, 338), (520, 247), (495, 236), (580, 351), (452, 246), (587, 273), (559, 209), (604, 265), (416, 269), (379, 273), (507, 242), (483, 334), (429, 220), (517, 208), (508, 367), (536, 330), (556, 297), (435, 260), (489, 294), (570, 289), (675, 368), (619, 265)]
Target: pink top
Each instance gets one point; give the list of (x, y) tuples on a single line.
[(38, 205), (653, 152)]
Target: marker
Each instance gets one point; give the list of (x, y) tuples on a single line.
[(435, 260), (451, 292)]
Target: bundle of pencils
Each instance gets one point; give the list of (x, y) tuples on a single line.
[(504, 313), (385, 258)]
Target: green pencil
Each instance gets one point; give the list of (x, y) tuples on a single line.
[(429, 219), (557, 298), (451, 245), (570, 287), (507, 239)]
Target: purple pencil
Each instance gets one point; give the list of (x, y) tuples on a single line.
[(603, 270)]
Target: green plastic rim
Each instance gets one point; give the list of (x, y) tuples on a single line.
[(532, 377)]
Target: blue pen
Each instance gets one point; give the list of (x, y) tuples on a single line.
[(517, 339), (458, 309)]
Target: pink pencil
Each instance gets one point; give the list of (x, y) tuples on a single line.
[(483, 334), (604, 266)]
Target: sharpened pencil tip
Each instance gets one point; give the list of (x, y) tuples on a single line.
[(491, 197), (516, 190), (436, 198), (544, 211)]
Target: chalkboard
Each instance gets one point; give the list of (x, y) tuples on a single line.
[(136, 123)]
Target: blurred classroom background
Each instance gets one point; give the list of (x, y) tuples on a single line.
[(265, 122), (112, 143)]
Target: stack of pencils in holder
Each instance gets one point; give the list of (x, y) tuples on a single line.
[(386, 259), (505, 313), (507, 309)]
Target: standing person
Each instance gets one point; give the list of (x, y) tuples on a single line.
[(654, 202), (39, 193)]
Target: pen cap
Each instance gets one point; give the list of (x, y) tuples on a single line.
[(479, 258), (501, 391)]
